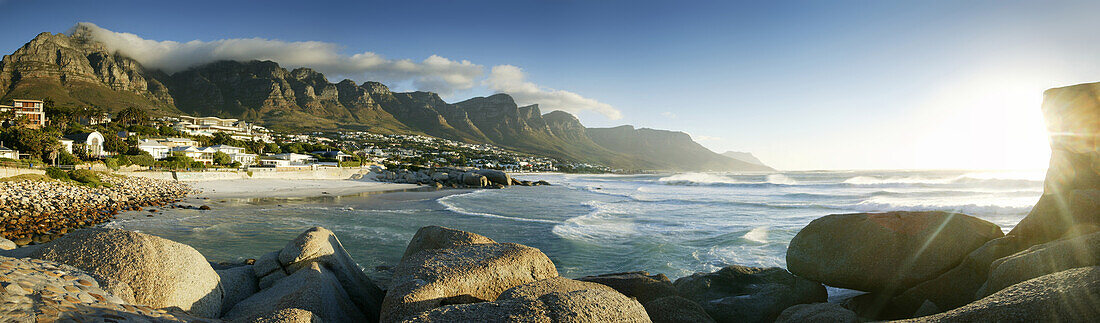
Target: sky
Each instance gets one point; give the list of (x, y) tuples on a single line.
[(802, 85)]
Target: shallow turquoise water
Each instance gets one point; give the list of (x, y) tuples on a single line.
[(674, 224)]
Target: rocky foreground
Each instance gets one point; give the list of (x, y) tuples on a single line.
[(445, 275), (455, 178), (36, 211)]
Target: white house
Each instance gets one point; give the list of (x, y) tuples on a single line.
[(33, 110), (178, 142), (8, 153), (296, 159), (154, 148), (91, 141), (204, 155), (236, 153), (333, 154), (274, 162)]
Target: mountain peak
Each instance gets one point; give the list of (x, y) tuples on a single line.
[(375, 87), (743, 156)]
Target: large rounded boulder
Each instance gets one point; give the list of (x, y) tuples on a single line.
[(676, 309), (161, 272), (749, 294), (1065, 296), (464, 274), (818, 313), (1048, 258), (550, 300), (437, 237), (495, 176), (638, 284), (885, 252)]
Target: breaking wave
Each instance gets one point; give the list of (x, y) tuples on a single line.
[(448, 203)]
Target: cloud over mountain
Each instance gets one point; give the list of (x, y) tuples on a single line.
[(435, 73), (512, 80)]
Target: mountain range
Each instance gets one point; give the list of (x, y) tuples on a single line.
[(76, 71), (743, 156)]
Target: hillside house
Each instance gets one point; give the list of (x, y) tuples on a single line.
[(33, 110), (178, 142), (204, 155), (296, 159), (236, 153), (155, 148), (334, 155)]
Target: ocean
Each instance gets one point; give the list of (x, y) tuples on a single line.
[(675, 224)]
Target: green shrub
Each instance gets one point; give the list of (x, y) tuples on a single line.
[(198, 165), (143, 159), (124, 160), (351, 163), (84, 176), (221, 158), (179, 162), (111, 163), (65, 158), (57, 173)]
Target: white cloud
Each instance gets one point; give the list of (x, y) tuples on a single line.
[(669, 115), (511, 80), (435, 73)]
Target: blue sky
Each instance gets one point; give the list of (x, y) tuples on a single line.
[(803, 85)]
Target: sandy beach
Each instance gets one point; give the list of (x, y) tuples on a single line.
[(253, 188)]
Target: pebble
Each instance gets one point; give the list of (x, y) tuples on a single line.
[(26, 217), (34, 292)]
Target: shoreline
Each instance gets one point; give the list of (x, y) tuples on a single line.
[(287, 188)]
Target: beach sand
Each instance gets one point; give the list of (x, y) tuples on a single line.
[(259, 188)]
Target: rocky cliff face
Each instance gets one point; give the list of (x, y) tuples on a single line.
[(76, 71)]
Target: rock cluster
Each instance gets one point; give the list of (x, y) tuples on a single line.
[(312, 273), (455, 178), (40, 211)]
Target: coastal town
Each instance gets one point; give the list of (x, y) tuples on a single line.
[(36, 134)]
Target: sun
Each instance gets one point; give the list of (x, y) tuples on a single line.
[(987, 123)]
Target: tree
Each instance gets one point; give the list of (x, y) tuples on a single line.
[(114, 144), (221, 158), (32, 141), (65, 158), (222, 138), (179, 162), (168, 131), (271, 148), (131, 116), (295, 148)]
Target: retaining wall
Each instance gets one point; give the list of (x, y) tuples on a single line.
[(333, 173), (12, 171)]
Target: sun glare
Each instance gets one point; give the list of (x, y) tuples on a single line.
[(987, 124)]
